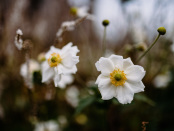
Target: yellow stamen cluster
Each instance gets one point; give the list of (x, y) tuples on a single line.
[(118, 77), (54, 59)]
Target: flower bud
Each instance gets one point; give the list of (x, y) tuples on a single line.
[(161, 30), (105, 22), (73, 10)]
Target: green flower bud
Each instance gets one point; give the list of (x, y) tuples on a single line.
[(73, 10), (161, 30), (105, 22)]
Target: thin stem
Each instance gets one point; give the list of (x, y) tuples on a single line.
[(148, 48), (104, 42), (28, 79)]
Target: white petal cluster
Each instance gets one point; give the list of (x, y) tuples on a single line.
[(33, 66), (83, 12), (60, 72), (47, 126), (130, 79), (65, 26)]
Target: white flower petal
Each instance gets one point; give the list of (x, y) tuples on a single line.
[(57, 78), (117, 61), (105, 66), (107, 92), (68, 60), (97, 64), (127, 63), (47, 72), (64, 70), (124, 94), (103, 81), (65, 79), (135, 73), (73, 50), (136, 86)]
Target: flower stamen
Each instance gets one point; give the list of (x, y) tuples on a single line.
[(54, 59), (118, 77)]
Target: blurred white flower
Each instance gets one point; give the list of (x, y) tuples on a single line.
[(18, 40), (60, 62), (47, 126), (119, 78), (112, 11), (65, 26), (82, 12), (72, 95), (162, 80), (33, 66)]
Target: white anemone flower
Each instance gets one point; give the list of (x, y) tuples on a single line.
[(59, 62), (119, 78)]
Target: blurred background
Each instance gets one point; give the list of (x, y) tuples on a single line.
[(78, 106)]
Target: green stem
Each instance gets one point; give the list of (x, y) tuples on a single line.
[(104, 42), (148, 48)]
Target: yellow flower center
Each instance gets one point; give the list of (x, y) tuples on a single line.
[(118, 77), (54, 59)]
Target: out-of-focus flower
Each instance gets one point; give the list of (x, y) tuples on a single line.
[(81, 12), (162, 80), (119, 78), (18, 40), (72, 95), (47, 126), (65, 26), (33, 67), (112, 11), (60, 62)]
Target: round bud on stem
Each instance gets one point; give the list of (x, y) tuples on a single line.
[(161, 30), (105, 22), (73, 10)]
